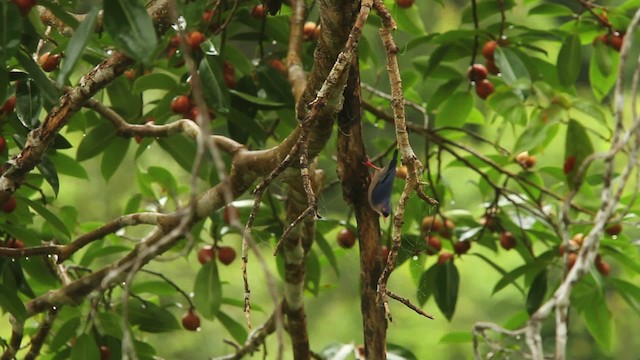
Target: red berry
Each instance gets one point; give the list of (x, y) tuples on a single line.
[(228, 211), (346, 238), (569, 164), (484, 88), (278, 65), (206, 254), (507, 240), (571, 259), (228, 74), (614, 229), (195, 39), (226, 254), (191, 321), (308, 30), (462, 247), (9, 106), (434, 245), (258, 11), (105, 353), (192, 114), (447, 229), (431, 224), (384, 253), (491, 66), (180, 104), (477, 72), (49, 62), (405, 4), (15, 244), (616, 41), (603, 267), (207, 16), (3, 144), (488, 49), (10, 205), (604, 38), (444, 257), (24, 5)]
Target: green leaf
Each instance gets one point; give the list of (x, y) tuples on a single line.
[(154, 81), (569, 60), (400, 353), (599, 322), (96, 141), (263, 103), (151, 318), (443, 93), (551, 9), (215, 91), (65, 333), (112, 157), (66, 165), (427, 284), (513, 70), (603, 54), (77, 44), (276, 86), (327, 251), (9, 300), (110, 323), (127, 105), (456, 337), (409, 20), (447, 282), (50, 217), (629, 292), (28, 103), (10, 30), (50, 174), (313, 272), (85, 348), (537, 292), (208, 291), (131, 28), (237, 330), (410, 246), (163, 177), (182, 150), (601, 82), (509, 106), (577, 147), (455, 110)]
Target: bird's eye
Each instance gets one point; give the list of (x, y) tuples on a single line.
[(385, 212)]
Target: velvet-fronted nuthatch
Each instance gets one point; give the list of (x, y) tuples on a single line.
[(381, 186)]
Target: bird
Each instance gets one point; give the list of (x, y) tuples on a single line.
[(381, 186)]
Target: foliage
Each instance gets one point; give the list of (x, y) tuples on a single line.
[(511, 159)]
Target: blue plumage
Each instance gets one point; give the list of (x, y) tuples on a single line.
[(381, 187)]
